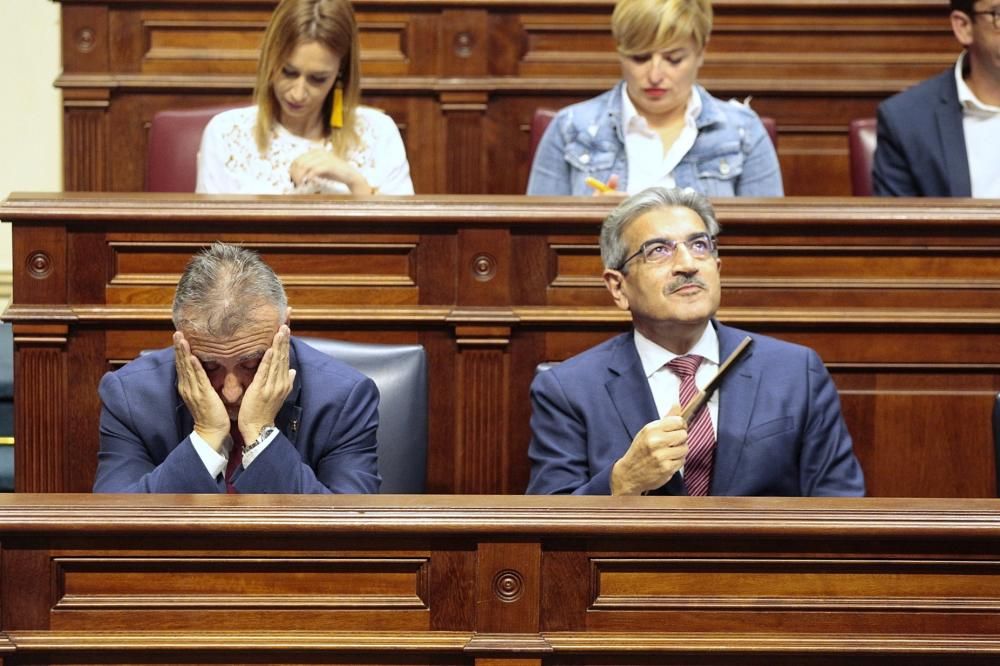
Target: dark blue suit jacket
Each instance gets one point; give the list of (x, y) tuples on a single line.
[(780, 429), (326, 442), (920, 151)]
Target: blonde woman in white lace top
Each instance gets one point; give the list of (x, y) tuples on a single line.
[(307, 132)]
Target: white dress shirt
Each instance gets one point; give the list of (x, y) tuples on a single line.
[(665, 385), (981, 126), (215, 462), (648, 163)]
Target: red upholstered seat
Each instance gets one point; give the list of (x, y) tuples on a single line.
[(771, 125), (861, 137), (172, 153), (539, 122)]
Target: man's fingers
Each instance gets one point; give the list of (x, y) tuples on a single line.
[(284, 344)]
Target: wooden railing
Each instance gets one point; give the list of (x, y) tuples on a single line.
[(497, 581)]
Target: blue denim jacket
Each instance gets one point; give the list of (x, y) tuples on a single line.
[(732, 155)]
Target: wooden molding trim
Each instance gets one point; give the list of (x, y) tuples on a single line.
[(875, 87), (859, 318), (67, 641), (820, 213), (548, 516)]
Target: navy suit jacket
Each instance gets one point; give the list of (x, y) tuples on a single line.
[(780, 429), (920, 150), (326, 441)]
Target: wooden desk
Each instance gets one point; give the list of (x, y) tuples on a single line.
[(899, 298), (497, 581), (462, 78)]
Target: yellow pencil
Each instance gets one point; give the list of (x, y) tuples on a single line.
[(598, 185)]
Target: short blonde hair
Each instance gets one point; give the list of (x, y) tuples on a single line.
[(642, 26), (294, 22)]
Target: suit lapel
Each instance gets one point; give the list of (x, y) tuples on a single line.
[(183, 418), (633, 400), (289, 417), (629, 389), (949, 122), (737, 395)]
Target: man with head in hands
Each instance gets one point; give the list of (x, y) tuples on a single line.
[(237, 404), (608, 421)]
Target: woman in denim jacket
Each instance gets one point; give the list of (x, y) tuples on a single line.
[(658, 127)]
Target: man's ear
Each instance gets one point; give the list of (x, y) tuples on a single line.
[(961, 25), (288, 316), (615, 282)]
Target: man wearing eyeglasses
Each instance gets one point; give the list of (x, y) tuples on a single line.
[(941, 138), (609, 421)]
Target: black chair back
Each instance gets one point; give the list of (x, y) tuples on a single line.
[(400, 373)]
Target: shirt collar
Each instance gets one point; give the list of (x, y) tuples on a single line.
[(654, 357), (966, 97), (632, 121)]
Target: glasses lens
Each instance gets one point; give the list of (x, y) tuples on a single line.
[(700, 247), (657, 250)]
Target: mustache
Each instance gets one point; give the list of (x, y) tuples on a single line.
[(685, 280)]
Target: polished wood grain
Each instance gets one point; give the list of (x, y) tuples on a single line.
[(462, 78), (898, 297), (498, 581)]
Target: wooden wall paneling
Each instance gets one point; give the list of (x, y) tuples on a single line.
[(84, 363), (507, 597), (421, 125), (445, 394), (916, 403), (481, 410), (465, 149), (85, 154), (464, 42), (42, 409), (512, 581), (485, 271), (86, 51), (508, 128), (86, 37)]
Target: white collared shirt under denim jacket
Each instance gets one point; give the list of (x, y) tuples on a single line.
[(731, 156)]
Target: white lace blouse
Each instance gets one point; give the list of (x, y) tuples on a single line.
[(230, 163)]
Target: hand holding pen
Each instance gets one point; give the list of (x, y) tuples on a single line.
[(602, 189)]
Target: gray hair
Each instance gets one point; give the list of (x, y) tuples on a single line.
[(613, 247), (221, 290)]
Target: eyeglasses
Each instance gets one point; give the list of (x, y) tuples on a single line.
[(659, 250), (995, 13)]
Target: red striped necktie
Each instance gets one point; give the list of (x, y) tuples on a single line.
[(701, 434), (235, 458)]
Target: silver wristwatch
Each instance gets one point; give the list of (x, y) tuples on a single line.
[(265, 433)]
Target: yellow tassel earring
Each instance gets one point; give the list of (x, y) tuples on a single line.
[(337, 112)]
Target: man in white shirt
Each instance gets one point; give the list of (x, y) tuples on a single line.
[(941, 138)]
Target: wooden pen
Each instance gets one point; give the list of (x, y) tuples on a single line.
[(703, 395)]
